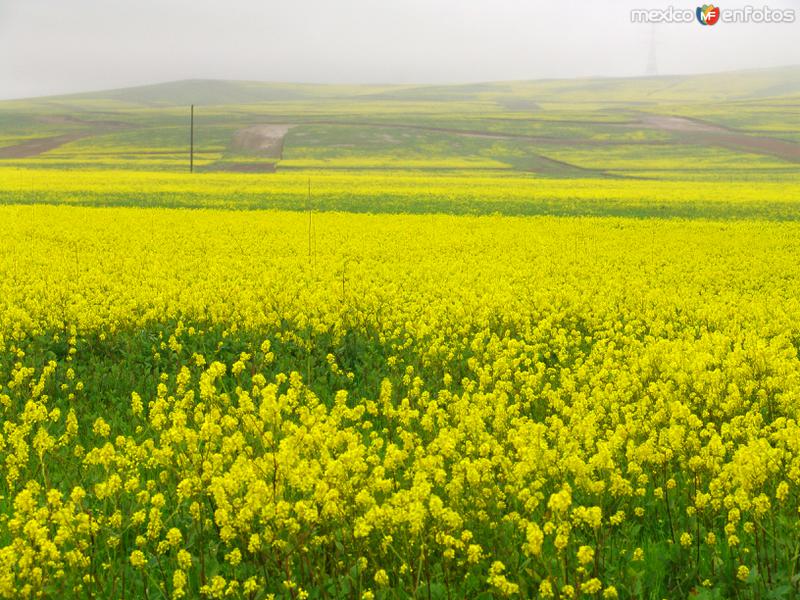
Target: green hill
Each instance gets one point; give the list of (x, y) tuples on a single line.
[(740, 125)]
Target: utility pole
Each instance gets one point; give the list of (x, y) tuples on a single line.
[(191, 140)]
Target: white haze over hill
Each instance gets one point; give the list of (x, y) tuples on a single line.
[(61, 46)]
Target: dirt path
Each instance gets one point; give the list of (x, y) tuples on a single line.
[(39, 146), (695, 130), (759, 145), (553, 166), (671, 123)]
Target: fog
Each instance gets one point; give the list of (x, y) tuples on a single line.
[(60, 46)]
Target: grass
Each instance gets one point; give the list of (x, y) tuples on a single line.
[(560, 129)]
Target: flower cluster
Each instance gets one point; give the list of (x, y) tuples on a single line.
[(196, 405)]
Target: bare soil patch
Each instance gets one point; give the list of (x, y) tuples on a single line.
[(705, 133), (670, 123), (759, 145), (39, 146), (263, 140)]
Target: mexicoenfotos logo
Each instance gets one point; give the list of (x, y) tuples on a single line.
[(708, 14)]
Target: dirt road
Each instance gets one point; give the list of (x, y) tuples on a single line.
[(706, 133), (38, 146)]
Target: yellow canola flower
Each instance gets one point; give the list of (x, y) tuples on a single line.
[(516, 383), (138, 559), (742, 573), (585, 555), (610, 593)]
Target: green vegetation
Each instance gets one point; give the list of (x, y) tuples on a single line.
[(733, 127), (558, 360)]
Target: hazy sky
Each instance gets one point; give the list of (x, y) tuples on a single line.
[(55, 46)]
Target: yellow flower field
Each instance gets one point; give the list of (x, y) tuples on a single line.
[(381, 191), (283, 405)]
